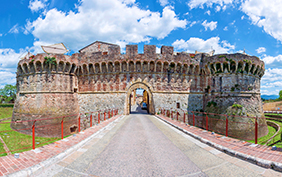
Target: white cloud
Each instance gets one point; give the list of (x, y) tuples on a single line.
[(265, 14), (1, 35), (200, 3), (14, 29), (36, 5), (261, 50), (224, 8), (269, 92), (242, 18), (107, 20), (7, 78), (211, 25), (270, 59), (158, 50), (273, 84), (225, 28), (193, 23), (8, 64), (163, 2), (203, 45), (208, 12), (217, 8), (271, 75), (232, 23)]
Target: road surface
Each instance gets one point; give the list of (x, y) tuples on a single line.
[(142, 145)]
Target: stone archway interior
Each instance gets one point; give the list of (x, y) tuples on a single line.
[(133, 87)]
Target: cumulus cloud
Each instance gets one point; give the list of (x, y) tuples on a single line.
[(8, 63), (265, 14), (270, 59), (271, 82), (7, 78), (208, 12), (109, 20), (163, 2), (201, 45), (36, 5), (271, 75), (261, 50), (211, 25), (200, 3), (225, 28)]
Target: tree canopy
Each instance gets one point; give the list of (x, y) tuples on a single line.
[(9, 92)]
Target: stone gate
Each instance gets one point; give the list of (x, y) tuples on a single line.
[(100, 77)]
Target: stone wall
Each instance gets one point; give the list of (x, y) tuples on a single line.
[(102, 101), (100, 77)]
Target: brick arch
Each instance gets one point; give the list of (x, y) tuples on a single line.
[(145, 86)]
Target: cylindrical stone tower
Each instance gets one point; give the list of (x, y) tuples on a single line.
[(47, 89), (233, 89)]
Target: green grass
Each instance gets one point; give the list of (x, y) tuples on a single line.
[(15, 140), (262, 140), (6, 112), (271, 132)]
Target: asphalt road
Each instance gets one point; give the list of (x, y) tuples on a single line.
[(142, 145)]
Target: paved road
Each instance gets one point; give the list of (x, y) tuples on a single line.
[(142, 145)]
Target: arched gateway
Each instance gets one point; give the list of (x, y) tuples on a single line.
[(99, 77), (135, 86)]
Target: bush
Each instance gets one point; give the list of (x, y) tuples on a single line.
[(6, 105)]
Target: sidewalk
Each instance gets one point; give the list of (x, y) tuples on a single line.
[(254, 153), (35, 160)]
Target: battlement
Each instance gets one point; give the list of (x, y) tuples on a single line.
[(112, 61)]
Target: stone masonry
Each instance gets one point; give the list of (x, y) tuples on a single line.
[(100, 77)]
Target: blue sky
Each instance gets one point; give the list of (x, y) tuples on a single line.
[(227, 26)]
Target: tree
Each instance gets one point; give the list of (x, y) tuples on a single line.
[(280, 95), (9, 92)]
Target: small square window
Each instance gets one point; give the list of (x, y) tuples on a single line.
[(177, 105)]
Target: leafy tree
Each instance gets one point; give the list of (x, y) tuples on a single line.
[(280, 95), (9, 92)]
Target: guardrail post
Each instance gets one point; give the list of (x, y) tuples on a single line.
[(91, 120), (104, 115), (33, 135), (226, 126), (171, 115), (62, 128), (256, 131), (207, 122), (184, 117), (99, 114), (79, 124), (193, 119)]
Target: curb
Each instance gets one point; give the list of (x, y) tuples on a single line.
[(260, 162), (40, 167)]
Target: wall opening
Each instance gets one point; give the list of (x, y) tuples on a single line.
[(139, 99)]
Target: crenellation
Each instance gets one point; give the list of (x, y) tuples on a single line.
[(131, 50), (167, 50)]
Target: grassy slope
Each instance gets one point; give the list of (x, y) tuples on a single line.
[(15, 140)]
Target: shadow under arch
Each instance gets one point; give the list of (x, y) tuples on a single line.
[(144, 86)]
